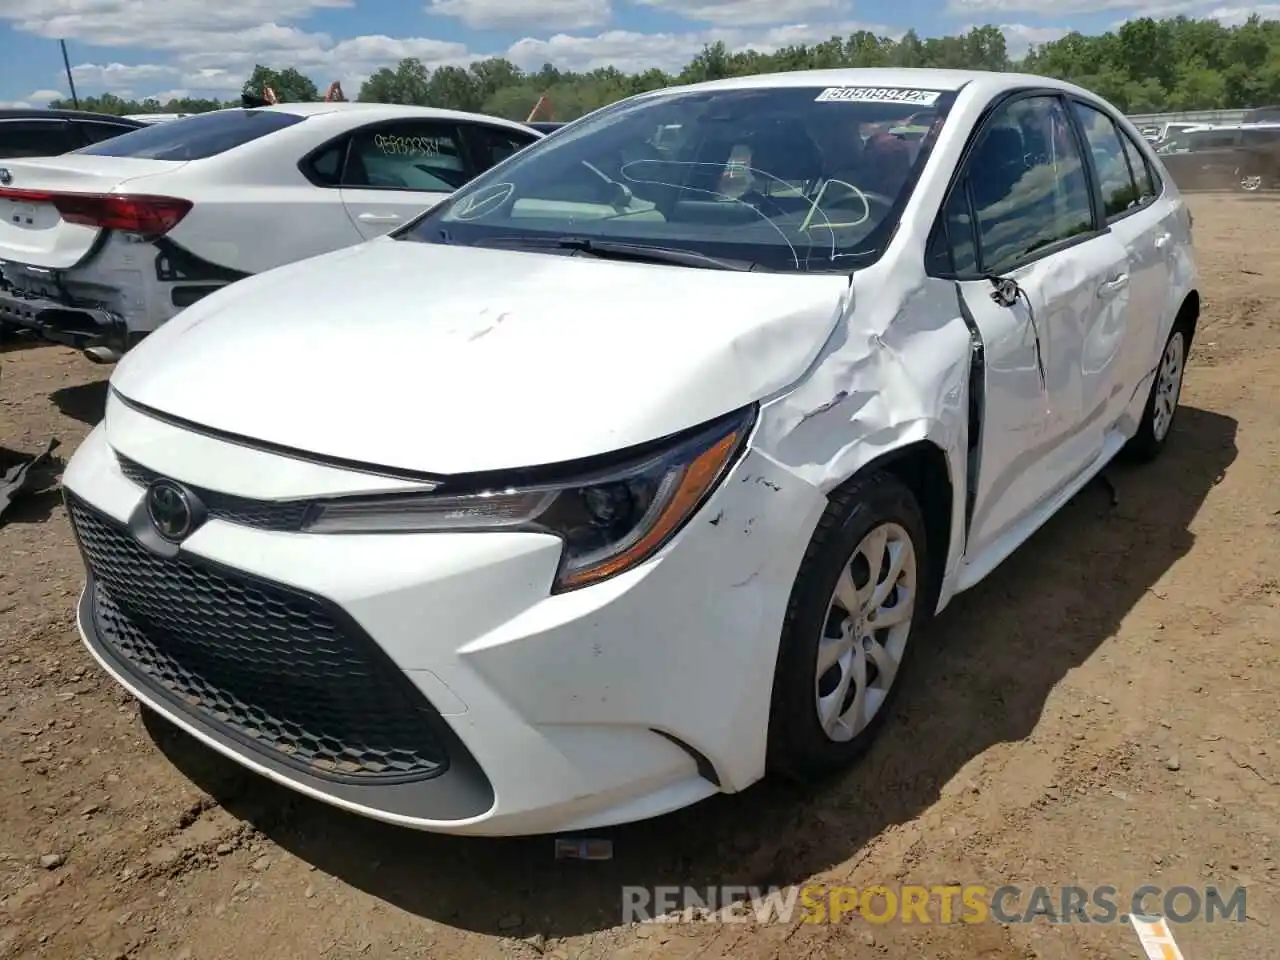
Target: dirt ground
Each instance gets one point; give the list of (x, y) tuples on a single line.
[(1104, 710)]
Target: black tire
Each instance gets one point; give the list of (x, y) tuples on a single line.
[(799, 749), (1145, 445)]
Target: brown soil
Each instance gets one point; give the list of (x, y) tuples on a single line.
[(1103, 710)]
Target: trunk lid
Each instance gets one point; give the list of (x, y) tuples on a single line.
[(32, 230)]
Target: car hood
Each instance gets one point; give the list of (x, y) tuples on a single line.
[(446, 359)]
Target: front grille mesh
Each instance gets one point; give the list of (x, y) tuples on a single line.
[(286, 515), (274, 668)]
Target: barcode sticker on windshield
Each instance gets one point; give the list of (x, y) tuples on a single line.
[(920, 98)]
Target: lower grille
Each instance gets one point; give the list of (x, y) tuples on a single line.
[(283, 672)]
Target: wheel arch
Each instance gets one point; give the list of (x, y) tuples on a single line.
[(1189, 314), (924, 468)]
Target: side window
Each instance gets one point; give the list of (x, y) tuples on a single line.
[(1028, 183), (960, 233), (1147, 187), (35, 138), (1119, 191), (410, 155), (325, 167), (953, 247), (97, 132), (491, 145)]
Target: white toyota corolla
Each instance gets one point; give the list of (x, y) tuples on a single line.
[(626, 475)]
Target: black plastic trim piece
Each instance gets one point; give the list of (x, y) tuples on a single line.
[(977, 411), (458, 791), (175, 263), (285, 516), (264, 446), (579, 470), (183, 297), (706, 770)]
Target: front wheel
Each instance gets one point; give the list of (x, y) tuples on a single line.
[(1250, 184), (855, 602), (1162, 402)]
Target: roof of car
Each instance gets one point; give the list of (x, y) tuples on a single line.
[(376, 110), (40, 113), (925, 78)]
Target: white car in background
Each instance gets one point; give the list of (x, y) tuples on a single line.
[(150, 118), (598, 489), (100, 247)]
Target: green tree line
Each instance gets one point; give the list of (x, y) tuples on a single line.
[(1145, 66)]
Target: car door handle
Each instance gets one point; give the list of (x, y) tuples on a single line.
[(1162, 241), (1114, 285), (379, 217)]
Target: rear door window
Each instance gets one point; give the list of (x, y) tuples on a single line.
[(1147, 185), (1115, 178), (35, 138), (196, 137), (420, 155)]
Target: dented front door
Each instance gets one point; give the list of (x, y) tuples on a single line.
[(1035, 436), (1022, 218)]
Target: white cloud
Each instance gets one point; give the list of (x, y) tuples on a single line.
[(1234, 16), (197, 35), (1061, 8), (745, 12), (515, 14), (1200, 10), (178, 93), (630, 51), (208, 49), (1019, 38), (125, 22), (40, 98), (114, 75)]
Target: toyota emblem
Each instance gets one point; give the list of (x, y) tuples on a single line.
[(171, 511), (6, 177)]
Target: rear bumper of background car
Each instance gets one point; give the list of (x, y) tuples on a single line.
[(118, 294), (612, 703), (57, 322)]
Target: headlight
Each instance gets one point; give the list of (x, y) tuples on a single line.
[(610, 519)]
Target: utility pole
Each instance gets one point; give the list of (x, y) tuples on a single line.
[(70, 82)]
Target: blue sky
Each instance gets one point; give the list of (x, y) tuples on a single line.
[(143, 48)]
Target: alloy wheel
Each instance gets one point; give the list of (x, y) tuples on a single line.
[(867, 626), (1168, 385)]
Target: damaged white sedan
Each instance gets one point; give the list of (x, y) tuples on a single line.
[(628, 474)]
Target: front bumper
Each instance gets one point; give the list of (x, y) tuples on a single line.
[(617, 702)]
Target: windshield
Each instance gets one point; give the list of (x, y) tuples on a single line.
[(792, 178)]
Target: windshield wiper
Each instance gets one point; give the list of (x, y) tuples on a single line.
[(619, 250)]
